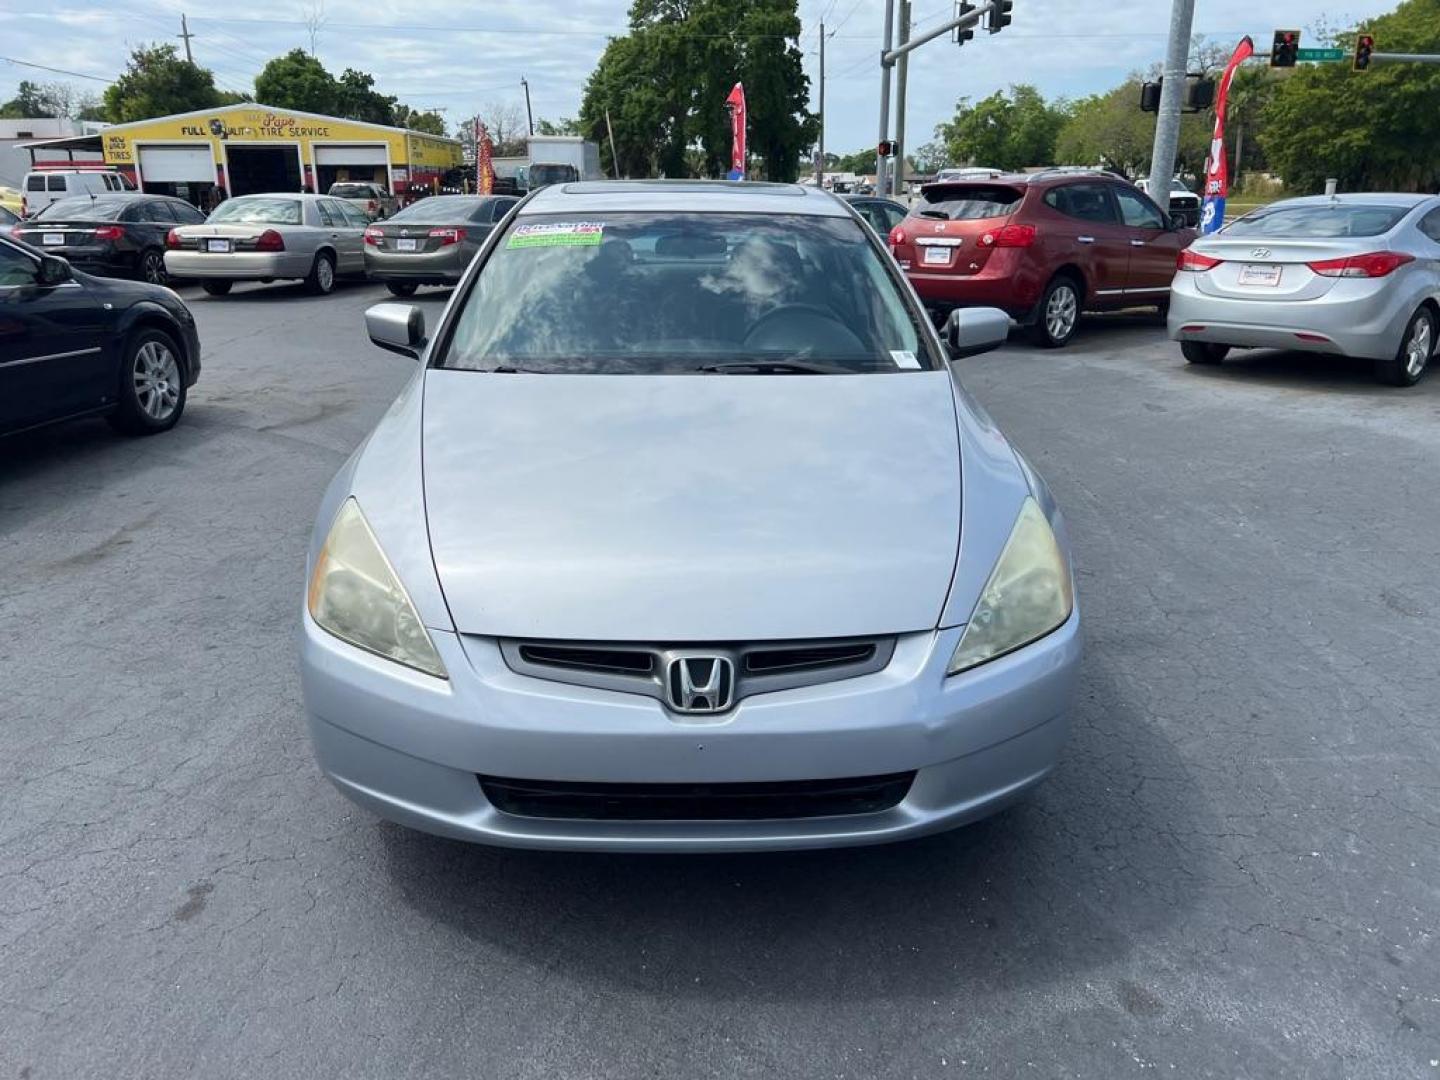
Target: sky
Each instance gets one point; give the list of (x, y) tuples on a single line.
[(459, 54)]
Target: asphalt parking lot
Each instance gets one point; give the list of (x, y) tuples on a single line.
[(1232, 874)]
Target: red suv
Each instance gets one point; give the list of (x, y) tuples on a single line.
[(1043, 247)]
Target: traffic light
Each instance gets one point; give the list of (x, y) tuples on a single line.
[(1286, 48), (1150, 97), (886, 148), (1364, 49), (998, 17), (1199, 95), (964, 33)]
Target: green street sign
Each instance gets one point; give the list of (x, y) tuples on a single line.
[(1319, 55)]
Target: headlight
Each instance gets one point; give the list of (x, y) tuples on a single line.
[(355, 595), (1028, 595)]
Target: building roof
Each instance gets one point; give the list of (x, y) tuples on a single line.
[(694, 196)]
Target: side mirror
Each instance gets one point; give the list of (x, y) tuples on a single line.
[(53, 270), (399, 328), (972, 331), (1177, 221)]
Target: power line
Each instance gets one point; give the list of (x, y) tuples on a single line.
[(57, 71)]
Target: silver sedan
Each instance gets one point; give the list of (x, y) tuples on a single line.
[(310, 238), (663, 548), (431, 242), (1356, 275)]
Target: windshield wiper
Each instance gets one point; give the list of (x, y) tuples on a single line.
[(941, 214), (776, 367)]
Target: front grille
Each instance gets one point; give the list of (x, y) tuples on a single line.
[(768, 801), (648, 668)]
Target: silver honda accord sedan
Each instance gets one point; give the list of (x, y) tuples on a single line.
[(1355, 275), (685, 536)]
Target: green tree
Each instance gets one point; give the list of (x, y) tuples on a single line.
[(432, 123), (30, 101), (931, 158), (563, 126), (1372, 129), (357, 99), (156, 82), (1110, 130), (298, 81), (1007, 131)]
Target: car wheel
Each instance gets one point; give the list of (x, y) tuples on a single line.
[(152, 267), (216, 288), (1417, 347), (1203, 352), (1059, 313), (401, 288), (321, 280), (152, 385)]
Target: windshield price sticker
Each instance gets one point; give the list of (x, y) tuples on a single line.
[(905, 359), (558, 234)]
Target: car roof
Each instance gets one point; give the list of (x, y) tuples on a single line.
[(1035, 179), (1359, 198), (691, 196)]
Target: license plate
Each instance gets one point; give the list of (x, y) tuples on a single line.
[(936, 256), (53, 239), (217, 245), (405, 245), (1259, 274)]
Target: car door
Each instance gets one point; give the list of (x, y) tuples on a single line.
[(152, 220), (347, 235), (53, 359), (1092, 237), (1154, 246)]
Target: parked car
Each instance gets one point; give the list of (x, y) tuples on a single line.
[(1184, 203), (880, 213), (372, 200), (114, 235), (75, 345), (51, 185), (431, 242), (1042, 247), (663, 548), (8, 217), (1356, 275), (312, 238)]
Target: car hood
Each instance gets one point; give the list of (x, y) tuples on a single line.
[(690, 508)]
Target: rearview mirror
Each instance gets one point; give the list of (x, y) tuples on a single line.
[(972, 331), (399, 328), (53, 270)]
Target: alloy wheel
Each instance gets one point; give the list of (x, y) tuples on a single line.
[(1060, 312), (152, 268), (325, 275), (1419, 346), (157, 380)]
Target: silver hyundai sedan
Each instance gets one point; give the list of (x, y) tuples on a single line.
[(1356, 275), (685, 536)]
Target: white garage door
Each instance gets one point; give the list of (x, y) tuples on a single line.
[(176, 164), (349, 155)]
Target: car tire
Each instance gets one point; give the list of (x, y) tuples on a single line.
[(216, 288), (150, 267), (401, 288), (1203, 352), (321, 279), (1412, 358), (1058, 314), (152, 385)]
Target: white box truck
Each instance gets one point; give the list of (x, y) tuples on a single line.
[(561, 159)]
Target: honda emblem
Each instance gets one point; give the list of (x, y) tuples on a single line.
[(700, 684)]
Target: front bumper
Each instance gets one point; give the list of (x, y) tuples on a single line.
[(237, 265), (411, 748), (445, 266)]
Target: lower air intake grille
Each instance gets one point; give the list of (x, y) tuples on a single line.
[(776, 800)]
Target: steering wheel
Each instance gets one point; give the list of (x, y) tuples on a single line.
[(808, 326)]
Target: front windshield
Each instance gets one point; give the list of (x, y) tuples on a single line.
[(635, 293), (83, 209), (259, 210), (1317, 221)]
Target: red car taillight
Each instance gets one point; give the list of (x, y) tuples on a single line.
[(372, 236), (270, 240), (448, 236), (172, 239), (109, 232), (1011, 236), (1373, 265), (897, 237), (1193, 260)]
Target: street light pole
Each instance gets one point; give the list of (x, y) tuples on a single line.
[(1172, 93), (820, 164), (885, 65), (529, 116), (902, 71)]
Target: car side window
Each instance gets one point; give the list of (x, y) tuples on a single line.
[(329, 216), (502, 207), (16, 268), (893, 216), (1085, 202), (1137, 211), (185, 213), (56, 183), (1430, 225), (353, 217), (153, 211)]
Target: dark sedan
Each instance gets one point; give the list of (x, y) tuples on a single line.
[(431, 242), (880, 213), (119, 235), (72, 345)]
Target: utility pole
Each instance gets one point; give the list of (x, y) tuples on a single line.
[(1172, 93), (820, 164), (614, 160), (186, 35), (897, 182), (888, 38), (529, 116)]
